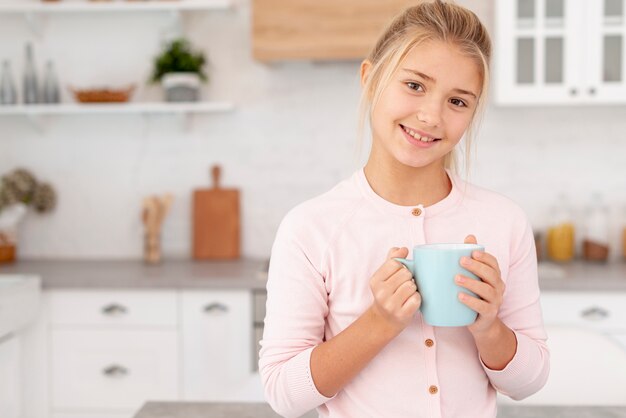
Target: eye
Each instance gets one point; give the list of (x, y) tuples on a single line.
[(414, 86), (458, 102)]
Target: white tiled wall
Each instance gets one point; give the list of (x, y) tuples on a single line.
[(292, 136)]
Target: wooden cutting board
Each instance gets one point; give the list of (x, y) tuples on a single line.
[(216, 221)]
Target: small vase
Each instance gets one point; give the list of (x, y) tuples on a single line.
[(181, 87), (30, 82), (50, 92), (10, 218), (8, 92)]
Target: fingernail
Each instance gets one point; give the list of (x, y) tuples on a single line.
[(477, 254), (462, 296), (460, 279), (465, 261)]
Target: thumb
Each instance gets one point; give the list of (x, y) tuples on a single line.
[(400, 252), (470, 239)]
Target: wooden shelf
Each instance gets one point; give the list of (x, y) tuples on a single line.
[(85, 6), (115, 108)]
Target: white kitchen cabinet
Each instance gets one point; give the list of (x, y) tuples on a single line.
[(111, 351), (587, 341), (217, 346), (105, 369), (10, 381), (563, 52), (102, 353)]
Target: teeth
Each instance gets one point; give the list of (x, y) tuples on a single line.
[(416, 135)]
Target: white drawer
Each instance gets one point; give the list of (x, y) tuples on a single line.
[(602, 311), (114, 370), (119, 308)]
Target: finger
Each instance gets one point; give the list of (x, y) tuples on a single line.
[(480, 269), (412, 304), (482, 307), (400, 252), (488, 259), (398, 278), (470, 239), (390, 266), (403, 293), (481, 289)]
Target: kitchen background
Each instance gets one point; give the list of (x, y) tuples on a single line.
[(291, 136), (94, 332)]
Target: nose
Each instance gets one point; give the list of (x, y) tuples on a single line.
[(429, 113)]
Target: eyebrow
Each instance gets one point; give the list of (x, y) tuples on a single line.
[(433, 80)]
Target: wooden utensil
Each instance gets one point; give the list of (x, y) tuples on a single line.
[(216, 223), (153, 213)]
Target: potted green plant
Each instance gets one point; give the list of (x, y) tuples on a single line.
[(18, 190), (180, 70)]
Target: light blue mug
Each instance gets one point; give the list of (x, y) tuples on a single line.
[(434, 267)]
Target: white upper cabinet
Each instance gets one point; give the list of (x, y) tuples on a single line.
[(559, 52)]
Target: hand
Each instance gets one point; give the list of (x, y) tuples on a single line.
[(490, 288), (395, 294)]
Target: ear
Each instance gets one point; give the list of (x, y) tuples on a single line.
[(366, 66)]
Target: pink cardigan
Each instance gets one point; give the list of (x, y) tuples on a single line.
[(325, 252)]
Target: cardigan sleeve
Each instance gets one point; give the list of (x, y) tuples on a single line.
[(528, 370), (297, 305)]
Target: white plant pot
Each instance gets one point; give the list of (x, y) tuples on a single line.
[(181, 87), (10, 218)]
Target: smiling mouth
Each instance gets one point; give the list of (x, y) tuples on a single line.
[(418, 136)]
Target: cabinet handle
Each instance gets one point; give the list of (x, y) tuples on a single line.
[(594, 313), (114, 309), (573, 92), (592, 91), (215, 307), (115, 371)]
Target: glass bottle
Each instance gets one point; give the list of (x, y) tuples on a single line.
[(560, 236), (50, 85), (31, 89), (596, 230), (8, 92), (623, 225)]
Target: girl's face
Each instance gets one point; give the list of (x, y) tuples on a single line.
[(432, 96)]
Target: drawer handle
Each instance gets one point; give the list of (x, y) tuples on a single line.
[(114, 310), (595, 313), (215, 308), (115, 371)]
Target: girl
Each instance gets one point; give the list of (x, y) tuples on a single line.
[(343, 332)]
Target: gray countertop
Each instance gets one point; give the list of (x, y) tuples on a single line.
[(170, 274), (251, 274), (260, 410)]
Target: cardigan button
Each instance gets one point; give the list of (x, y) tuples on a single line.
[(433, 389), (429, 343), (416, 212)]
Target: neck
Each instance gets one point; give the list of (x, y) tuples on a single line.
[(405, 185)]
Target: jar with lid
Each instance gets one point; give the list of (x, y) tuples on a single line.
[(596, 230), (560, 233)]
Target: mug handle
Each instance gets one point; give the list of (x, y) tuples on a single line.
[(408, 264)]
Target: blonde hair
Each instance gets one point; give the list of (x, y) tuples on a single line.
[(427, 21)]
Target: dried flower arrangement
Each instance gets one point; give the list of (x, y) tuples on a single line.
[(18, 190)]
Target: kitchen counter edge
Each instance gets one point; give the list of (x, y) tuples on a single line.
[(251, 273)]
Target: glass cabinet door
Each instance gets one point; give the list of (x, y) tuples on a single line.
[(606, 66), (538, 57)]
